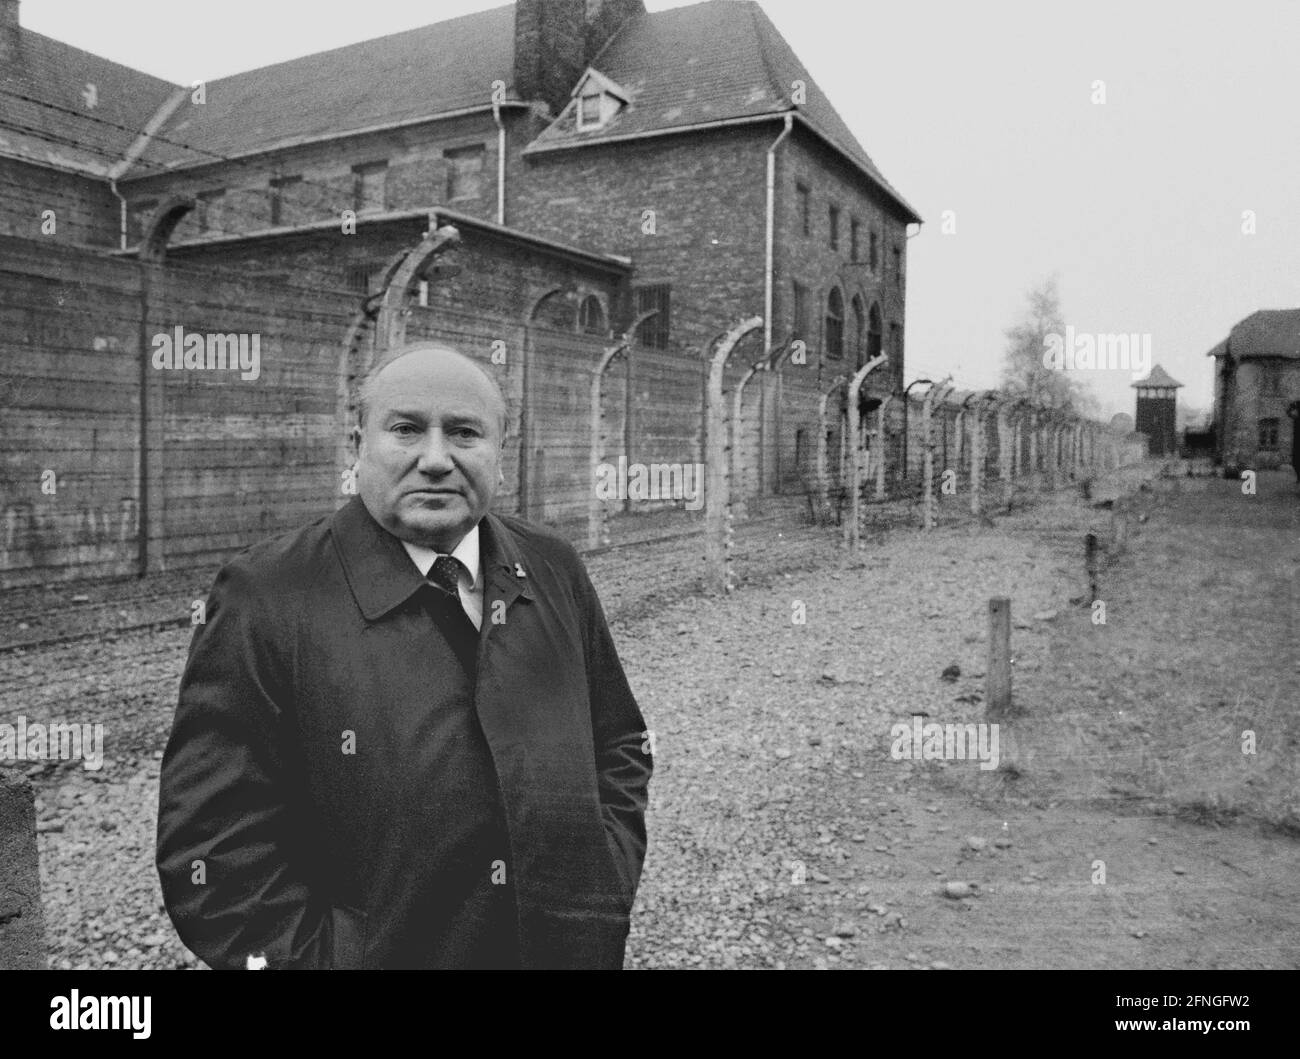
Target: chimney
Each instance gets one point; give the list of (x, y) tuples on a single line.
[(8, 29), (549, 49), (555, 40)]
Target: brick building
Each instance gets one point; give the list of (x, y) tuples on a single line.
[(1257, 391), (681, 160)]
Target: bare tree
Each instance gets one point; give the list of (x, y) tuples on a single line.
[(1024, 371)]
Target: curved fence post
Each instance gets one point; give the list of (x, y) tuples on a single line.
[(885, 402), (717, 502), (767, 362), (927, 440), (823, 472), (390, 327), (976, 454), (852, 531), (597, 511)]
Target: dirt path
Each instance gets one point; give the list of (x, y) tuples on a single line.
[(1130, 762)]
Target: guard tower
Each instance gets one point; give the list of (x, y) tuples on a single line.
[(1156, 400)]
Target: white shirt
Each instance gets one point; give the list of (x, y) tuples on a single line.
[(470, 584)]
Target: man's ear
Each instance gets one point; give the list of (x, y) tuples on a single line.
[(354, 443)]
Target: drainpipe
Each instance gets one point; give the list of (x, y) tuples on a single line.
[(112, 186), (501, 163), (769, 265)]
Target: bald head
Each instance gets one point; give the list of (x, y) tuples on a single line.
[(433, 356), (429, 443)]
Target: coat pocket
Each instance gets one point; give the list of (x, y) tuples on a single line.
[(348, 937)]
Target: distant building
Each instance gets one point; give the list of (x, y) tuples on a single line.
[(1121, 423), (1256, 389), (1156, 417)]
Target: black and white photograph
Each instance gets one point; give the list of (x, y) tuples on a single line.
[(633, 485)]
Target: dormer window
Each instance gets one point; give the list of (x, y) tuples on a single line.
[(597, 99), (589, 110)]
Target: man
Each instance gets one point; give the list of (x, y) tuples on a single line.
[(373, 768)]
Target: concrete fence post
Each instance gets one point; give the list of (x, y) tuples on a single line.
[(852, 529), (717, 501), (880, 446)]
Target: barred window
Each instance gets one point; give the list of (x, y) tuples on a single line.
[(835, 324), (591, 317), (799, 312), (655, 331)]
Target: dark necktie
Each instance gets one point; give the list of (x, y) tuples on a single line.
[(445, 573), (450, 616)]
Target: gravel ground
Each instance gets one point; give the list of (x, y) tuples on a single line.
[(782, 832)]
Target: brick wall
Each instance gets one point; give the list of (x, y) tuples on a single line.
[(85, 212), (416, 177), (229, 460), (1251, 398)]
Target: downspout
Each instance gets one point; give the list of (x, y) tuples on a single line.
[(769, 266), (112, 186), (771, 226), (501, 163)]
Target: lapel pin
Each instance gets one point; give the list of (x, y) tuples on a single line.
[(519, 571)]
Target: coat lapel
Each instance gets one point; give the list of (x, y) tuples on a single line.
[(506, 577)]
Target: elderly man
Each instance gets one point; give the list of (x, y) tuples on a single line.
[(404, 736)]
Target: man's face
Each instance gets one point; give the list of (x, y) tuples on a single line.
[(429, 454)]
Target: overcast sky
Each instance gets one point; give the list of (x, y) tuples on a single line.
[(984, 109)]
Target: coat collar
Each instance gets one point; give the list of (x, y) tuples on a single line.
[(382, 576)]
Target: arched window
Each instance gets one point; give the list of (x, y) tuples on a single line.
[(875, 333), (859, 338), (591, 317), (835, 324)]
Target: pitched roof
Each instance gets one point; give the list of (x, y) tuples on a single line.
[(1267, 333), (46, 117), (402, 77), (720, 60), (1157, 377)]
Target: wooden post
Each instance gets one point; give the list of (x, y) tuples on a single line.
[(997, 680)]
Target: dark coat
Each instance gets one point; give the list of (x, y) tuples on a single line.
[(307, 850)]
